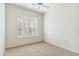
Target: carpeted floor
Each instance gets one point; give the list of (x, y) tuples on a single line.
[(38, 49)]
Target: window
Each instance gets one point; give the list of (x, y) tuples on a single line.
[(27, 26)]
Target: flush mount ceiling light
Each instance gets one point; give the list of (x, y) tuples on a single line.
[(40, 5)]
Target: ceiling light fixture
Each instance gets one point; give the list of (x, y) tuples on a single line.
[(40, 5)]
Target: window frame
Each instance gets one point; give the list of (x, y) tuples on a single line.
[(35, 20)]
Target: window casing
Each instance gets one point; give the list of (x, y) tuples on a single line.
[(27, 26)]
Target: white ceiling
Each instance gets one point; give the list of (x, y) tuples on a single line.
[(34, 7)]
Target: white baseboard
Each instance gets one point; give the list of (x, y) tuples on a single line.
[(21, 44), (50, 42)]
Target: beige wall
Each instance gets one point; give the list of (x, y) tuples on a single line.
[(62, 26), (2, 28), (11, 12)]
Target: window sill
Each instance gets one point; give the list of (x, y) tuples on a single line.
[(26, 37)]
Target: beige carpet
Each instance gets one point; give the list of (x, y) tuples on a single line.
[(38, 49)]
